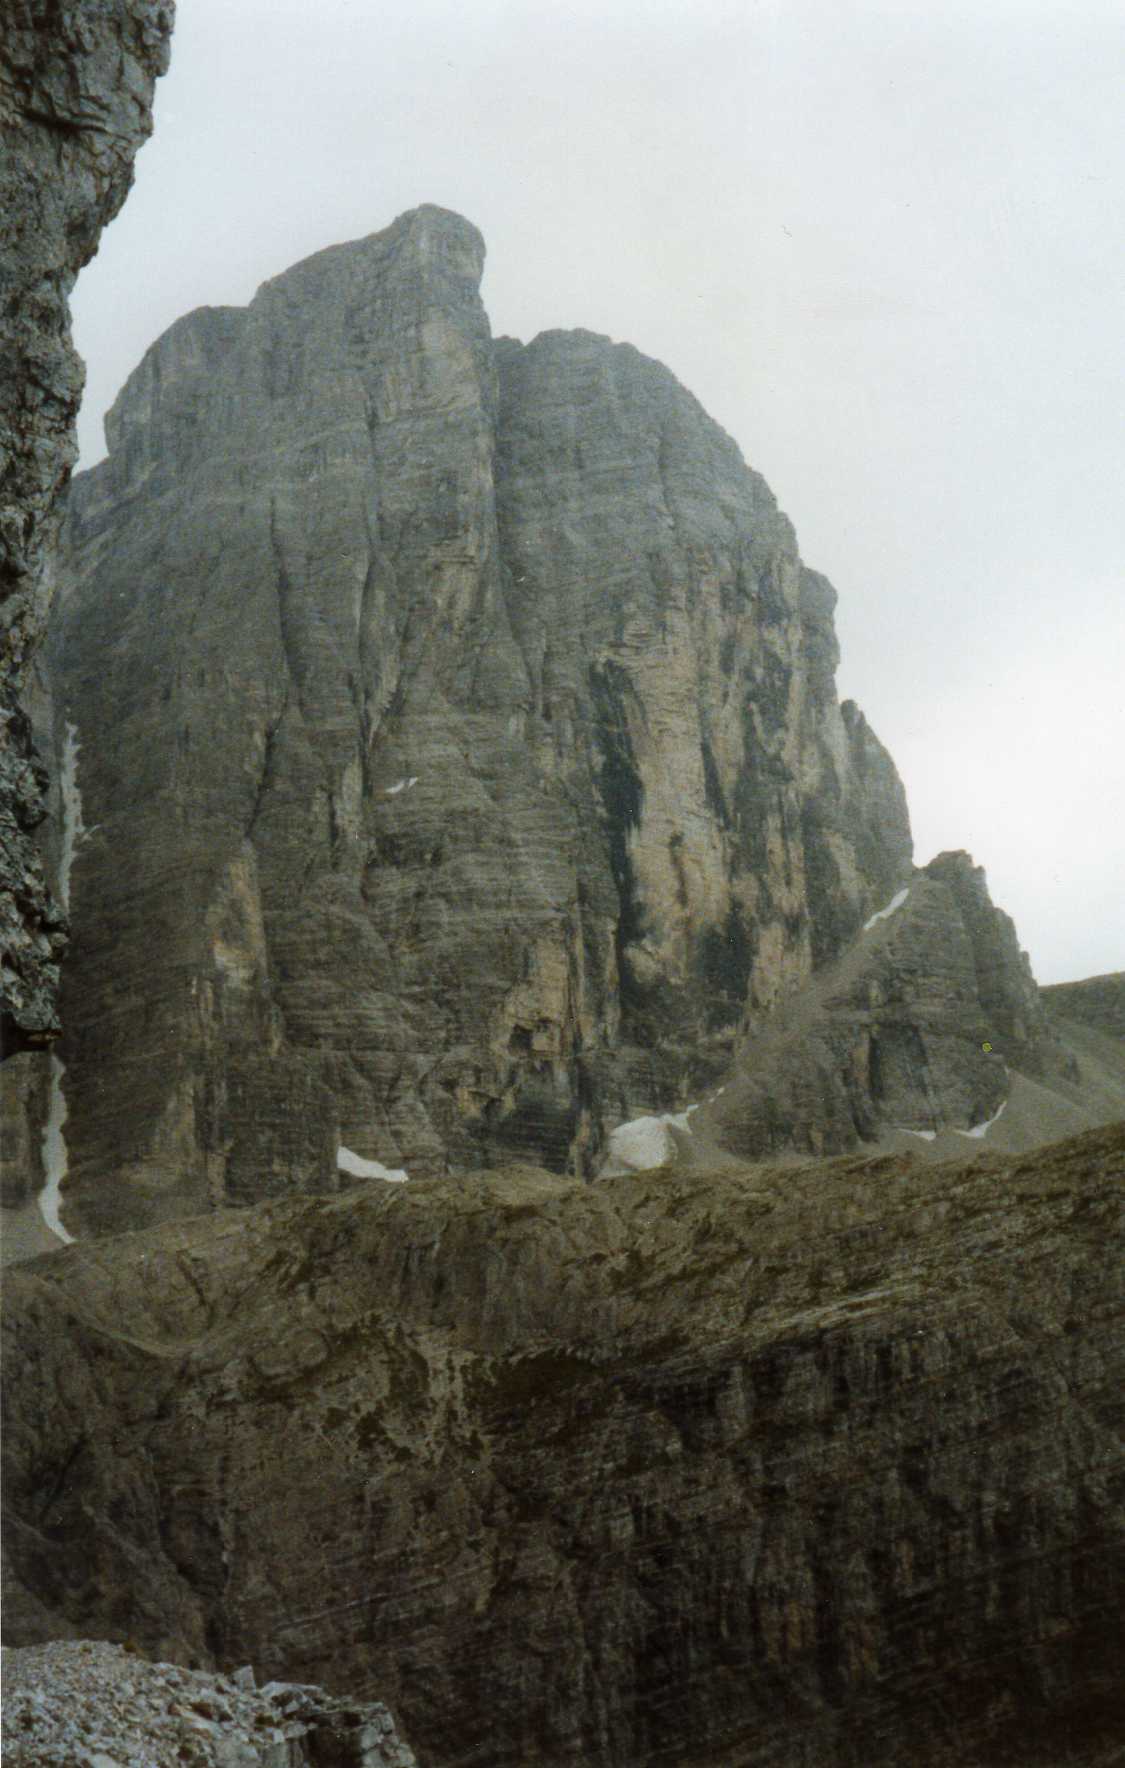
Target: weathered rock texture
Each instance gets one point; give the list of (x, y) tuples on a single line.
[(770, 1466), (467, 717), (86, 1704), (76, 86), (921, 1026)]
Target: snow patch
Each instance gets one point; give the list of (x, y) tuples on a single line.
[(646, 1142), (347, 1162), (73, 828), (978, 1129), (54, 1154), (402, 786), (640, 1145), (54, 1142), (896, 902)]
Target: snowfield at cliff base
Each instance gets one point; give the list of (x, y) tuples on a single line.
[(347, 1162)]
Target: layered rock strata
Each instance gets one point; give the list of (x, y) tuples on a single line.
[(76, 88), (768, 1466), (468, 717), (85, 1704)]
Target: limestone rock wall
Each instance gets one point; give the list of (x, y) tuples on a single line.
[(741, 1469), (467, 716), (76, 87)]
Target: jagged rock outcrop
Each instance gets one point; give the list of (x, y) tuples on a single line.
[(85, 1704), (768, 1466), (76, 86), (468, 718), (924, 1026)]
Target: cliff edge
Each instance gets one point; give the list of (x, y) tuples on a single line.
[(76, 88)]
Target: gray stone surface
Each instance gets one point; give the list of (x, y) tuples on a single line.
[(76, 85), (773, 1466), (468, 718), (85, 1703)]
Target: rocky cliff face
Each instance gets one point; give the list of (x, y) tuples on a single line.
[(467, 717), (76, 86), (767, 1466), (922, 1028)]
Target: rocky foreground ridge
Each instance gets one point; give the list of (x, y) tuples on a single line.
[(468, 718), (76, 87), (764, 1466), (88, 1704)]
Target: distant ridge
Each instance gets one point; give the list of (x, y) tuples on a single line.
[(1098, 1001)]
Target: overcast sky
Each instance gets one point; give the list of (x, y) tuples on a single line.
[(884, 246)]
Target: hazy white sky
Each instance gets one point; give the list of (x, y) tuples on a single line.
[(883, 244)]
